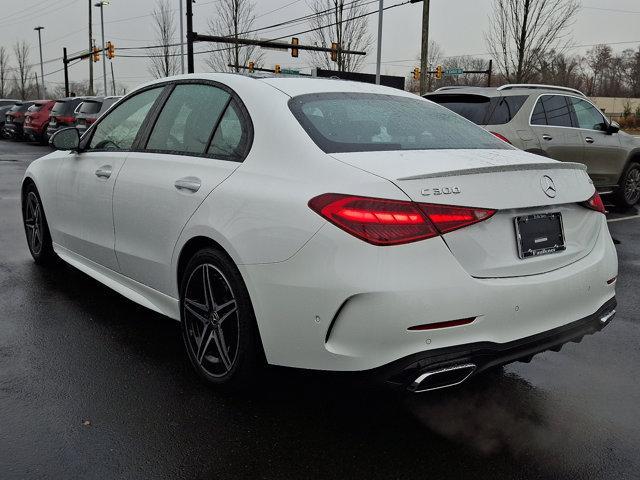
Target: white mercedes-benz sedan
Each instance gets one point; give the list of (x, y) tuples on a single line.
[(324, 224)]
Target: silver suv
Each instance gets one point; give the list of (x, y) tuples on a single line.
[(556, 122)]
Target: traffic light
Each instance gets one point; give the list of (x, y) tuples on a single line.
[(96, 54), (416, 73), (111, 50), (251, 66), (334, 51), (277, 70), (294, 51), (439, 72)]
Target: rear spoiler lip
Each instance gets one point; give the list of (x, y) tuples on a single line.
[(500, 168)]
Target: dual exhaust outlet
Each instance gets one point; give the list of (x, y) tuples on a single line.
[(442, 378)]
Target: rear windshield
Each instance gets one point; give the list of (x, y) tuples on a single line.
[(64, 107), (36, 107), (482, 110), (107, 103), (90, 107), (21, 107), (357, 122)]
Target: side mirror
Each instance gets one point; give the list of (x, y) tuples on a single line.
[(613, 127), (66, 139)]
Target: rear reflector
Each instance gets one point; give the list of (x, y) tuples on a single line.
[(393, 222), (447, 324), (595, 203)]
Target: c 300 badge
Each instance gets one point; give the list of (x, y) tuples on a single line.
[(427, 192)]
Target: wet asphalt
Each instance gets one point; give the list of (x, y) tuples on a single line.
[(94, 386)]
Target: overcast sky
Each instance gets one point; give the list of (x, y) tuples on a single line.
[(457, 25)]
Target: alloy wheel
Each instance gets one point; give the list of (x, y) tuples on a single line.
[(632, 186), (33, 223), (212, 322)]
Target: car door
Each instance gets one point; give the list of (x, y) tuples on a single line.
[(85, 181), (551, 123), (198, 140), (603, 153)]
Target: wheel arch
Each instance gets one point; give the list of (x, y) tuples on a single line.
[(634, 156), (190, 248)]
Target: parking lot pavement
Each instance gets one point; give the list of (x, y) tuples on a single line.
[(94, 386)]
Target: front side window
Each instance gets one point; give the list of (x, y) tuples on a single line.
[(587, 116), (118, 130), (188, 119), (358, 122), (552, 110)]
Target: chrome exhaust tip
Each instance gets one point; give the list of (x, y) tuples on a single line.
[(442, 378), (606, 317)]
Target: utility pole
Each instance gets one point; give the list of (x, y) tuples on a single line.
[(113, 79), (190, 37), (181, 38), (91, 92), (379, 57), (66, 71), (424, 52), (44, 89), (101, 4)]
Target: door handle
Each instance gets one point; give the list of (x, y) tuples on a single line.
[(104, 171), (192, 184), (588, 139), (547, 137)]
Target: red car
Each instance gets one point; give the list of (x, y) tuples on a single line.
[(37, 120)]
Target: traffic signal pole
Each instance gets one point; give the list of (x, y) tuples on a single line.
[(190, 37), (379, 53), (424, 51), (66, 71)]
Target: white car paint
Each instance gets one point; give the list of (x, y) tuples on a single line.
[(324, 299)]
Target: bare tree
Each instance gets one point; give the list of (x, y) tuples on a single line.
[(164, 60), (561, 69), (233, 19), (343, 23), (23, 70), (599, 61), (4, 66), (524, 31)]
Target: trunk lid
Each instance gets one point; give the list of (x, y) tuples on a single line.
[(510, 181)]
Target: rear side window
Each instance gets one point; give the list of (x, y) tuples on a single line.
[(90, 107), (475, 108), (552, 110), (188, 119), (505, 109), (231, 136), (359, 122)]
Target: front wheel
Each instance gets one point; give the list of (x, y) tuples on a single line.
[(36, 227), (628, 193), (218, 325)]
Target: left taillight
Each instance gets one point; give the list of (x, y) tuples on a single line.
[(595, 203), (393, 222), (501, 137)]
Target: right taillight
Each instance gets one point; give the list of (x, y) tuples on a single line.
[(595, 203), (393, 222), (501, 137)]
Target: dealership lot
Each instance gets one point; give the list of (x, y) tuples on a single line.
[(94, 386)]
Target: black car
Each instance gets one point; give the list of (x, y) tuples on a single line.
[(63, 113), (3, 115), (14, 120), (8, 102), (91, 109)]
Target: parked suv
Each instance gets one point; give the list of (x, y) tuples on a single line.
[(3, 116), (14, 120), (37, 120), (557, 122), (91, 109), (63, 113)]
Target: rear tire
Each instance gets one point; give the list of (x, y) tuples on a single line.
[(36, 227), (628, 193), (219, 329)]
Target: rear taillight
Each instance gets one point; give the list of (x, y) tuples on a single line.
[(393, 222), (501, 137), (65, 119), (595, 203)]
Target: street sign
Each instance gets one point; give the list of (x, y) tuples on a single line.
[(290, 71), (453, 71)]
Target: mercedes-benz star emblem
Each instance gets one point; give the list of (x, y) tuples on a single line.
[(548, 187)]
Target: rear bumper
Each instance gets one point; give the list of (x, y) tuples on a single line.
[(340, 304), (485, 355)]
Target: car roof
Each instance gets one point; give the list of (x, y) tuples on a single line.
[(505, 90), (291, 86)]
